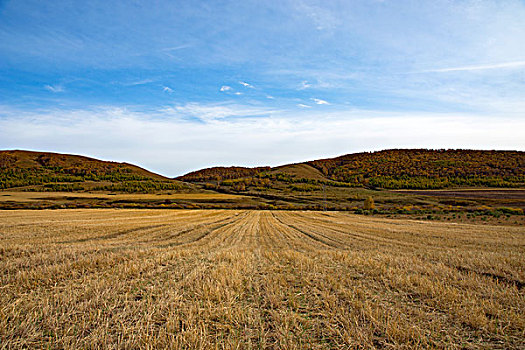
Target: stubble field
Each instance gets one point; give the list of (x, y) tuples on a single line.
[(207, 279)]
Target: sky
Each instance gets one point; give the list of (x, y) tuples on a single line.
[(176, 86)]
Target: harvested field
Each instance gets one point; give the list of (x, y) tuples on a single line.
[(256, 279), (494, 197), (37, 196)]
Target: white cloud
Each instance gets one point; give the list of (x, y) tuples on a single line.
[(139, 82), (303, 105), (245, 84), (166, 143), (225, 88), (304, 85), (506, 65), (319, 101), (238, 93), (167, 89), (54, 88), (210, 113), (270, 97)]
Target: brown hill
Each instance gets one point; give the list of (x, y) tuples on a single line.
[(299, 171), (340, 183), (422, 168), (393, 169), (68, 163), (54, 171), (221, 173)]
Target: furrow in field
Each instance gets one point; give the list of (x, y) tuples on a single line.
[(58, 263), (480, 258), (184, 233), (133, 231), (235, 236), (307, 231), (271, 237), (215, 235), (61, 228), (424, 234), (21, 255), (295, 239), (345, 231)]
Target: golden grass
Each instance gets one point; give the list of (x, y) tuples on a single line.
[(38, 196), (256, 279)]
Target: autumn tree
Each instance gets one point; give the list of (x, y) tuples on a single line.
[(369, 204)]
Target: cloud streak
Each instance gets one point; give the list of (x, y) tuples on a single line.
[(245, 84), (320, 102), (505, 65), (210, 113), (139, 82), (54, 88)]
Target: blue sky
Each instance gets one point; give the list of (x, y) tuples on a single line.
[(179, 85)]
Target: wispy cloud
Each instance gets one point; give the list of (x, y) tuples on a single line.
[(175, 48), (169, 51), (225, 88), (304, 85), (167, 89), (216, 112), (139, 82), (505, 65), (302, 105), (245, 84), (320, 102), (54, 88)]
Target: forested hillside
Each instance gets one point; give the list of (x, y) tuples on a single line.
[(423, 169), (221, 173), (342, 183), (63, 172), (390, 169)]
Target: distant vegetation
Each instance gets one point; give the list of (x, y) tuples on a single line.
[(343, 183), (427, 169), (68, 173), (222, 173), (394, 169)]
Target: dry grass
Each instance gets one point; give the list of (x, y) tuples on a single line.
[(39, 196), (256, 279)]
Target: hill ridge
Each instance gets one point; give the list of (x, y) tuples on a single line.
[(16, 152), (396, 168), (51, 171)]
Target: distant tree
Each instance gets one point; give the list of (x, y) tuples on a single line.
[(239, 186), (369, 204), (210, 186)]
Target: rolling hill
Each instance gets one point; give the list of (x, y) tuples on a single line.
[(399, 181), (389, 169), (34, 171)]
